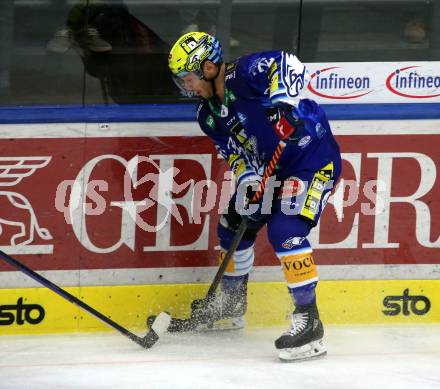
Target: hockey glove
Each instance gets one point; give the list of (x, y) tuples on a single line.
[(248, 207), (285, 122)]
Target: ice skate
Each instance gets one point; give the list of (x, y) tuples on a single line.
[(224, 312), (303, 340)]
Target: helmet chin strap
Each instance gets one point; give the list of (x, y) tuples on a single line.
[(212, 79), (214, 90)]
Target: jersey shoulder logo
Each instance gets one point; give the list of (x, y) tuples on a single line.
[(261, 65)]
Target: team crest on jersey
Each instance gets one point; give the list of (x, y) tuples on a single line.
[(293, 74)]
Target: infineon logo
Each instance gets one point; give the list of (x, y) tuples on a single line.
[(408, 82), (334, 84)]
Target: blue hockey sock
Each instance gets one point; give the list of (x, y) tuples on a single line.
[(303, 295)]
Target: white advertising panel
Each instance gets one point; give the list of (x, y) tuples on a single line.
[(374, 82)]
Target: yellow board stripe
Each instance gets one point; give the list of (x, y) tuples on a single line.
[(340, 302)]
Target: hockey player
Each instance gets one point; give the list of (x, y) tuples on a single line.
[(246, 106)]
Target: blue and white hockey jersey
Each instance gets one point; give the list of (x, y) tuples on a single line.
[(240, 126)]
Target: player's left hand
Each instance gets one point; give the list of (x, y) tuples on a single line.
[(285, 123), (256, 216)]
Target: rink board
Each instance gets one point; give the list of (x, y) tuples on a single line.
[(340, 302), (65, 205)]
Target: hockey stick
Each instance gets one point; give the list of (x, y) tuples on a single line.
[(180, 325), (159, 326), (243, 225)]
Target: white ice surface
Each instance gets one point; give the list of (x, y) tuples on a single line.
[(359, 357)]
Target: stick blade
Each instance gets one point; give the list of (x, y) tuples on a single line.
[(161, 323)]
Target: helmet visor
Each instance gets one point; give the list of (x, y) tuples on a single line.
[(180, 83), (186, 80)]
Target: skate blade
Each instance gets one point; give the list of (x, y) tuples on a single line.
[(310, 351)]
